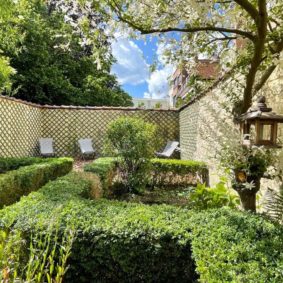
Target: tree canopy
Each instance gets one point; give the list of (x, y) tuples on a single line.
[(246, 35), (50, 54)]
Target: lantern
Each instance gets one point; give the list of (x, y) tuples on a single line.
[(259, 125)]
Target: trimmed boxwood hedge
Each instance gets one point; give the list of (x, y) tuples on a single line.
[(165, 172), (125, 242), (13, 163), (16, 183), (179, 172), (116, 241)]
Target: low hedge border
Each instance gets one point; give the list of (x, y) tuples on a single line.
[(165, 172), (125, 242), (17, 183), (13, 163), (116, 241), (179, 172)]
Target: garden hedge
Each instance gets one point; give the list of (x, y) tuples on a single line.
[(125, 242), (116, 241), (16, 183), (165, 172), (178, 172), (13, 163)]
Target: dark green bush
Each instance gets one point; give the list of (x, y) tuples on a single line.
[(178, 172), (17, 183), (233, 246), (116, 241), (122, 242), (13, 163)]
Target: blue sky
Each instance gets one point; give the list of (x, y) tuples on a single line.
[(132, 69)]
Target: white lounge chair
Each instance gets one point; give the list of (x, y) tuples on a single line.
[(46, 147), (169, 149), (86, 147)]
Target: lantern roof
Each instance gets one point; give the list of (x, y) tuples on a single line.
[(261, 112)]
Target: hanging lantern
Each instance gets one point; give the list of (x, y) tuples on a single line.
[(259, 125)]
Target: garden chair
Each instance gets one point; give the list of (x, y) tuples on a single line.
[(46, 147), (169, 149), (86, 147)]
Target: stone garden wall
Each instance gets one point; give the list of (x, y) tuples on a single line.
[(22, 124), (205, 125)]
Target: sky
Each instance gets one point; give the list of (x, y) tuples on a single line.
[(134, 58)]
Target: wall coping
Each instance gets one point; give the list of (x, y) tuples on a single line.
[(72, 107), (207, 91)]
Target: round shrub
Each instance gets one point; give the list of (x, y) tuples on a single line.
[(133, 141)]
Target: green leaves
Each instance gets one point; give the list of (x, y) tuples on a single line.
[(133, 141)]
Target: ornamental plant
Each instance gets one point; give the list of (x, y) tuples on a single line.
[(133, 142), (247, 166)]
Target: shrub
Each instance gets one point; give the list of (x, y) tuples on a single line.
[(122, 242), (234, 246), (13, 163), (203, 197), (132, 141), (178, 172), (15, 184), (115, 241), (105, 168)]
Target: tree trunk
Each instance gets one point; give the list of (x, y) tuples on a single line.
[(248, 200)]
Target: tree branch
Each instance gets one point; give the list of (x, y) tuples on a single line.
[(187, 29), (247, 6), (261, 25)]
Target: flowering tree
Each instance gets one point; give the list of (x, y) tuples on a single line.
[(246, 36), (213, 27)]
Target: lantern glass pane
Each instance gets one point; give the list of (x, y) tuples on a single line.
[(266, 132)]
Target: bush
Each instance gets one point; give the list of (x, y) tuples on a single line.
[(115, 241), (164, 172), (132, 141), (11, 163), (203, 197), (178, 172), (15, 184), (122, 242), (233, 246), (105, 168)]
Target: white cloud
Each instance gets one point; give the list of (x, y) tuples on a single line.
[(158, 82), (131, 67)]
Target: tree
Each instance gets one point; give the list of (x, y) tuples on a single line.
[(246, 36), (210, 26), (56, 62)]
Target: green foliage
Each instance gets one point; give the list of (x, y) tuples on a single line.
[(232, 246), (163, 172), (123, 242), (178, 172), (274, 204), (116, 241), (203, 197), (52, 66), (13, 163), (45, 259), (105, 168), (133, 141), (15, 184)]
